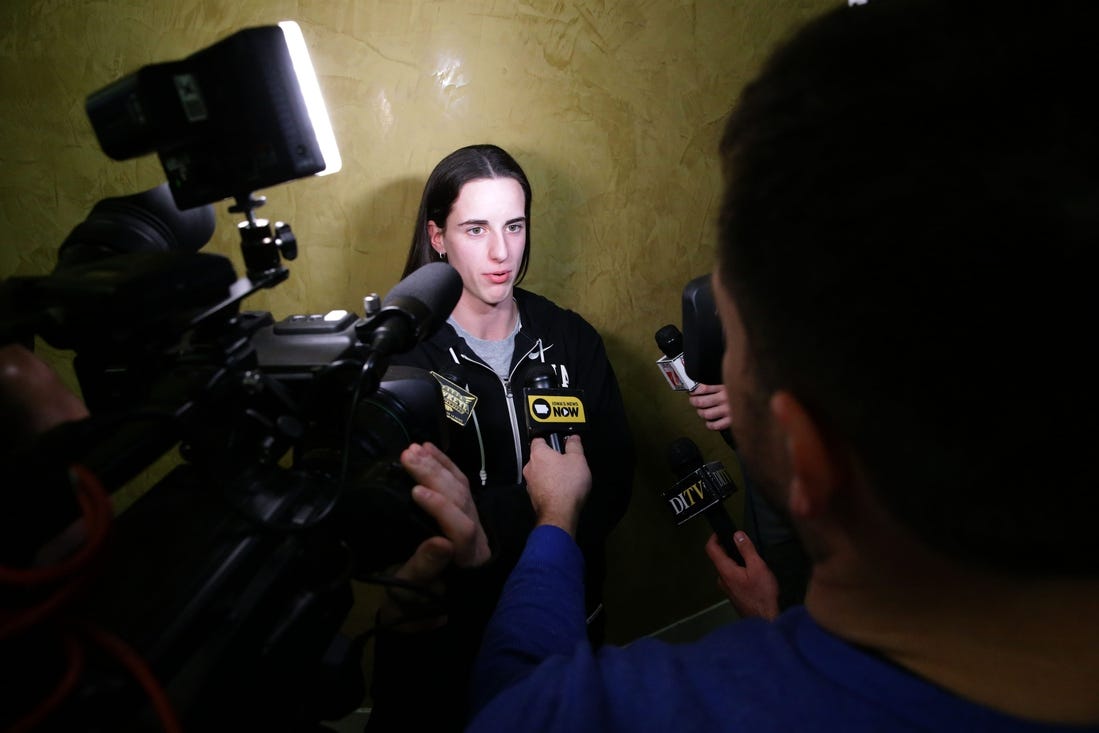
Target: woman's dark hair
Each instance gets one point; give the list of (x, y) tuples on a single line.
[(466, 164)]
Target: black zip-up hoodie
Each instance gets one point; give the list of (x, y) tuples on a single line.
[(491, 449)]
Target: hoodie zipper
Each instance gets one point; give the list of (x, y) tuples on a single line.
[(513, 418)]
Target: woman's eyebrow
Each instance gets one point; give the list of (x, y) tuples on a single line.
[(484, 222)]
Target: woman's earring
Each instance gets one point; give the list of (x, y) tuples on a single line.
[(442, 256)]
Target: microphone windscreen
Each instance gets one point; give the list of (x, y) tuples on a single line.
[(670, 341), (684, 457), (437, 285), (541, 376)]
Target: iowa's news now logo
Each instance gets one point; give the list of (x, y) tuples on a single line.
[(558, 411), (555, 408)]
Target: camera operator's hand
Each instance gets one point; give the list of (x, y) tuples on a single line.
[(33, 399), (752, 589), (711, 402), (558, 483), (443, 492)]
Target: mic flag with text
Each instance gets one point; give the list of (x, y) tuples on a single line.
[(701, 489), (552, 412)]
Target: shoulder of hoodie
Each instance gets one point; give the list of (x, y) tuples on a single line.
[(542, 318), (542, 315)]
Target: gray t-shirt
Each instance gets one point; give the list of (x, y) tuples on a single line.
[(496, 352)]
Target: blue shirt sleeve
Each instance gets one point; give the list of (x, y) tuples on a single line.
[(540, 614)]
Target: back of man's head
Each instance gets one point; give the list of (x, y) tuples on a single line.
[(909, 232)]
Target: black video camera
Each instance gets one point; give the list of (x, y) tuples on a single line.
[(219, 595)]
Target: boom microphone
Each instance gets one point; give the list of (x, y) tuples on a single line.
[(414, 309), (700, 490), (551, 411), (670, 341)]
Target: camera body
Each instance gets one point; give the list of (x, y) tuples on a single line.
[(231, 576), (219, 595)]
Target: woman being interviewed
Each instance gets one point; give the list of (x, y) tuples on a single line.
[(475, 215)]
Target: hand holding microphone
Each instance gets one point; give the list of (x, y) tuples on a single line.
[(558, 483), (710, 401), (752, 588), (744, 577)]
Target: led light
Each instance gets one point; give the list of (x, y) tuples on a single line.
[(311, 91), (238, 116)]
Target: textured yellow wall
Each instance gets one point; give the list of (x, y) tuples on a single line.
[(613, 108)]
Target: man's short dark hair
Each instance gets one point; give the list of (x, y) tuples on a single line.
[(909, 232)]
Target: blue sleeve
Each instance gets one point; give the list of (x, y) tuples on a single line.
[(540, 614)]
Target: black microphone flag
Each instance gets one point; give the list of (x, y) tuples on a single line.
[(701, 489)]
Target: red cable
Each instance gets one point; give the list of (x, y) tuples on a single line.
[(73, 669), (137, 667), (96, 511), (97, 514)]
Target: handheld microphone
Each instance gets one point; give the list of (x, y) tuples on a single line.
[(670, 341), (704, 341), (552, 412), (413, 310), (700, 490)]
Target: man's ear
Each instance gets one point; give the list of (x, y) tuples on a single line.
[(819, 468)]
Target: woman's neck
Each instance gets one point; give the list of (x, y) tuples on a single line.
[(484, 321)]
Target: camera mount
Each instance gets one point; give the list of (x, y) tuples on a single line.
[(263, 249)]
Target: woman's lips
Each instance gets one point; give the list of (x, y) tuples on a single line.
[(499, 277)]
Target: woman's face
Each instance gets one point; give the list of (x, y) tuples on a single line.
[(484, 237)]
